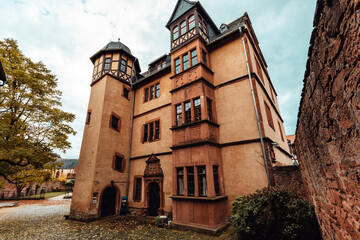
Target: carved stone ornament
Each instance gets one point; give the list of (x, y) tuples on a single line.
[(153, 167)]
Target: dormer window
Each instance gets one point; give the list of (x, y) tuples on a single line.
[(183, 27), (191, 22), (175, 32)]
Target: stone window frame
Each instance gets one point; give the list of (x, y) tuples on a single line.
[(123, 162), (269, 116), (135, 188), (118, 128), (281, 133), (147, 125), (128, 92), (88, 116), (147, 92)]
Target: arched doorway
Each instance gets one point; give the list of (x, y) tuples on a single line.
[(154, 198), (108, 201)]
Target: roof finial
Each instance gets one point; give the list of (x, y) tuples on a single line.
[(118, 39)]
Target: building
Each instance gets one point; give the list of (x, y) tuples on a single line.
[(291, 141), (68, 169), (183, 137)]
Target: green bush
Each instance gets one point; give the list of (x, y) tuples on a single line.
[(271, 213)]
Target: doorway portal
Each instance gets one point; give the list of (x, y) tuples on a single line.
[(108, 202), (154, 198)]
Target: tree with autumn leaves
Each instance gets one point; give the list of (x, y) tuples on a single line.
[(32, 123)]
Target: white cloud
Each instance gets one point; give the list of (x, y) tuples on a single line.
[(64, 34)]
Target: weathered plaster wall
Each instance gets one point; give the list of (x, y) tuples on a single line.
[(328, 139)]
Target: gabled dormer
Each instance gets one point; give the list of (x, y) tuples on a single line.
[(188, 21)]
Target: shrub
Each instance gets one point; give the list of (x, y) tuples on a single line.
[(271, 213)]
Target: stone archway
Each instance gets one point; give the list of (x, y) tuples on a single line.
[(108, 202), (154, 195)]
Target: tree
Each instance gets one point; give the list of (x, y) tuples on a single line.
[(271, 213), (32, 124)]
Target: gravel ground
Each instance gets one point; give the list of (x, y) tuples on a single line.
[(44, 219)]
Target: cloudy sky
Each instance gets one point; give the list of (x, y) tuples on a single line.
[(65, 33)]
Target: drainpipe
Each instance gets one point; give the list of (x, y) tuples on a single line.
[(131, 128), (256, 111)]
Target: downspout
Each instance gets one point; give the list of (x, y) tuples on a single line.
[(131, 128), (256, 111)]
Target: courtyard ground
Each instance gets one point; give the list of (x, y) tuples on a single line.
[(44, 219)]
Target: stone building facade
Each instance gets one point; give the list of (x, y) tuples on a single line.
[(183, 137), (327, 136)]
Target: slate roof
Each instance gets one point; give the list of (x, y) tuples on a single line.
[(68, 163), (115, 46)]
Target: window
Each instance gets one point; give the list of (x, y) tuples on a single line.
[(115, 122), (175, 32), (185, 59), (146, 95), (88, 117), (158, 67), (146, 130), (203, 55), (204, 27), (177, 65), (151, 131), (259, 70), (152, 92), (157, 90), (107, 64), (180, 181), (200, 22), (281, 134), (123, 65), (190, 181), (164, 64), (188, 112), (178, 114), (197, 109), (202, 181), (272, 94), (157, 129), (137, 189), (193, 57), (216, 180), (191, 22), (209, 109), (119, 163), (183, 28), (126, 93), (269, 117)]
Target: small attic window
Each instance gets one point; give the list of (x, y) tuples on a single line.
[(223, 28)]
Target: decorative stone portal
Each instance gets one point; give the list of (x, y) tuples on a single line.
[(108, 202), (154, 195)]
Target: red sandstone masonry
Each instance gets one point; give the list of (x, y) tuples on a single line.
[(328, 130)]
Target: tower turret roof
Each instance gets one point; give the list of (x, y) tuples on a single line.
[(117, 46)]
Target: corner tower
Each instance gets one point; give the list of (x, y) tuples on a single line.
[(101, 179)]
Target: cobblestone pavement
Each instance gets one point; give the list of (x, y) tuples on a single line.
[(44, 219)]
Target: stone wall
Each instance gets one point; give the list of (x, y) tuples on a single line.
[(289, 178), (328, 130)]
